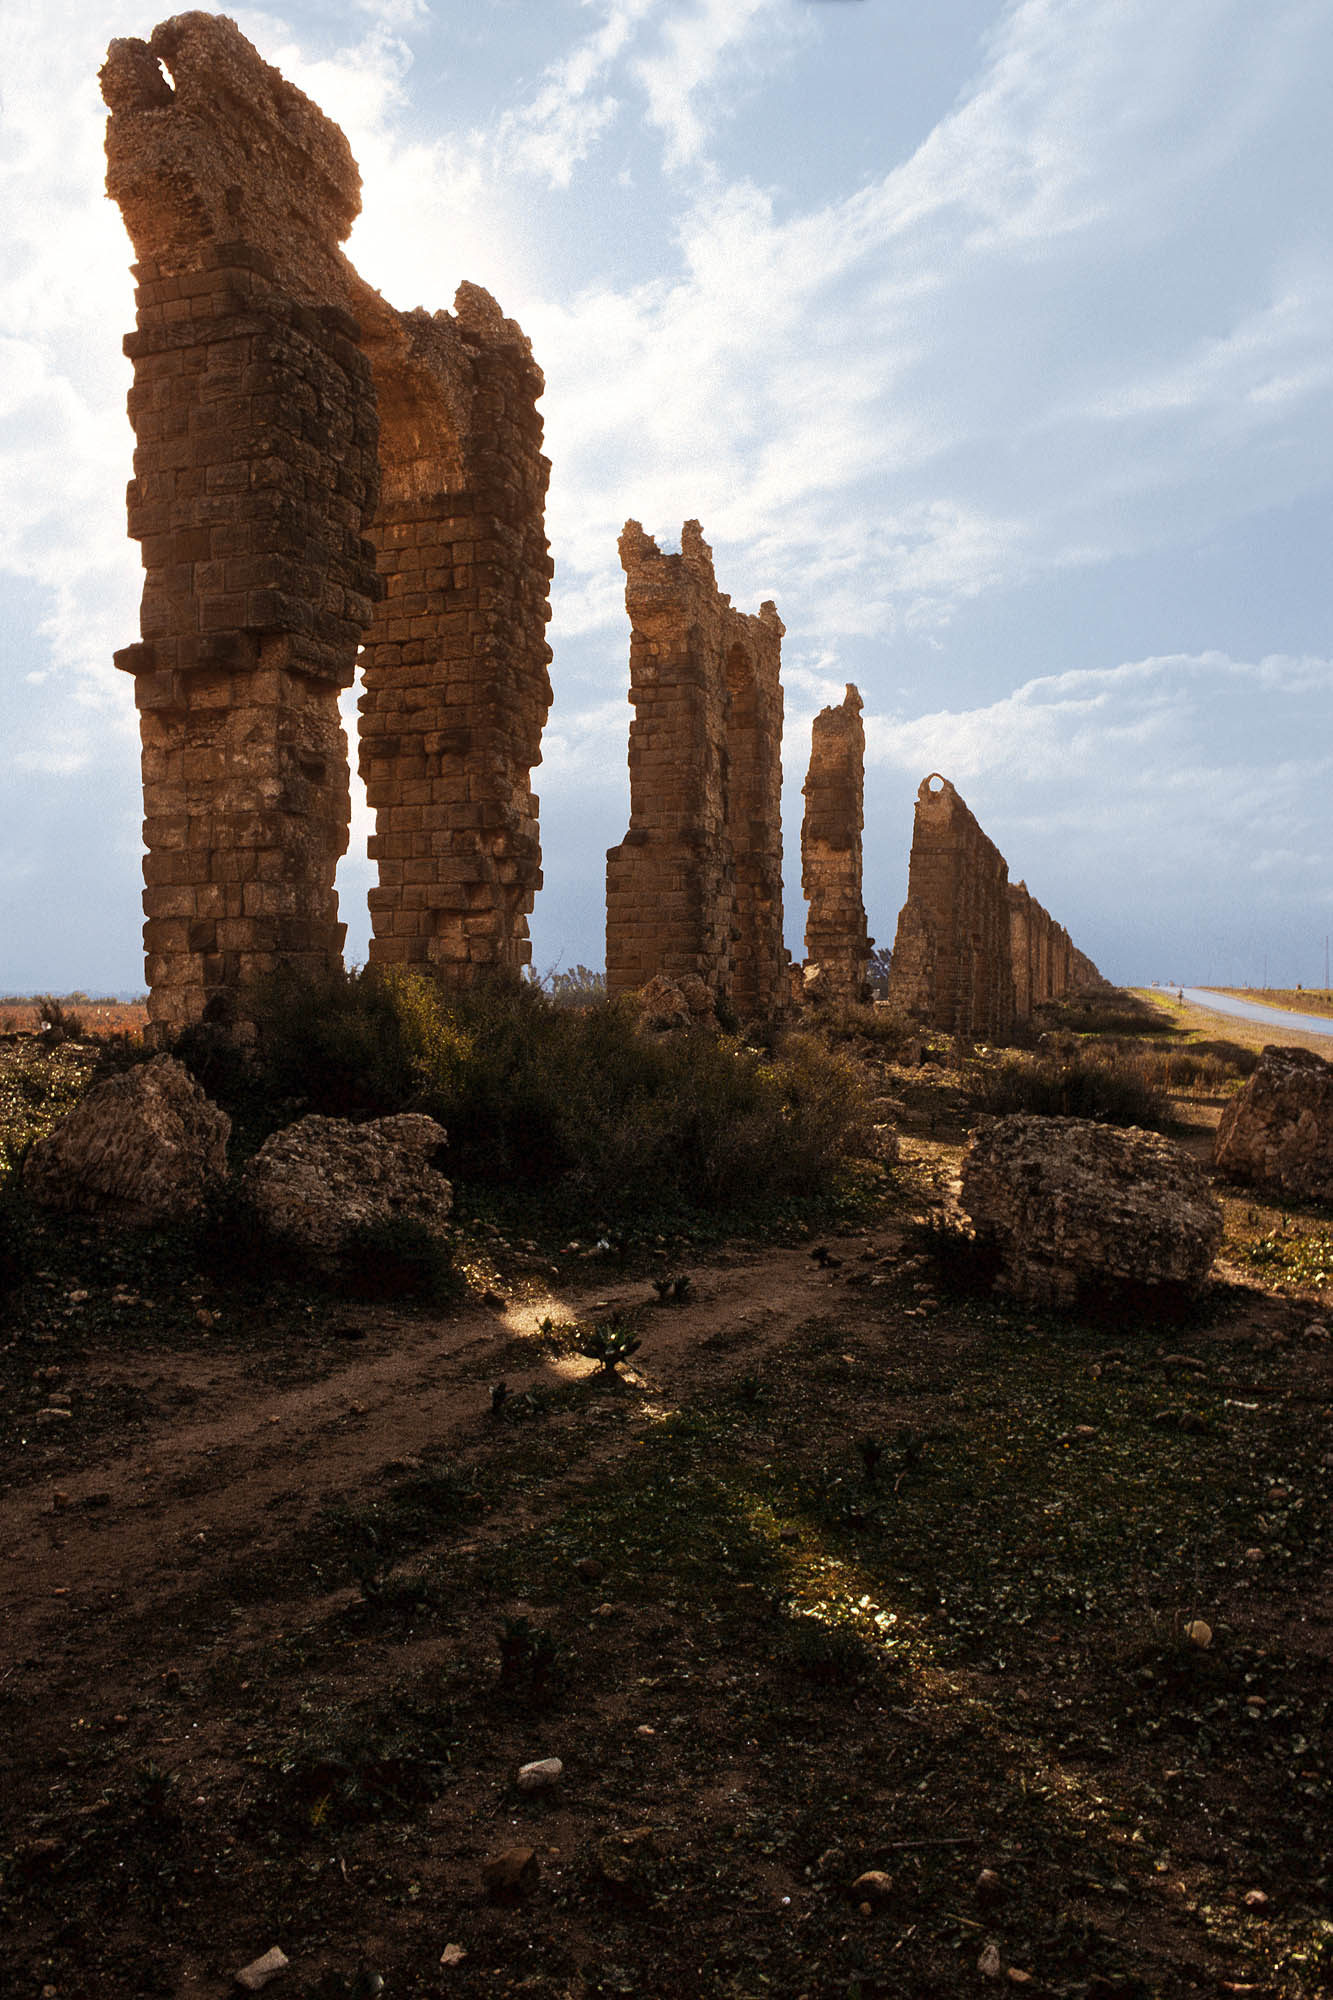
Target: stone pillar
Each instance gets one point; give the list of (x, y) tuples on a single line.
[(255, 476), (456, 684), (836, 940), (272, 388), (1022, 912), (695, 887), (754, 808)]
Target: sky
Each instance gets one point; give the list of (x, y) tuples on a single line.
[(992, 339)]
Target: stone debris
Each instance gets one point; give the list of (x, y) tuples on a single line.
[(253, 1977), (629, 1860), (315, 471), (1278, 1133), (695, 887), (317, 1181), (974, 953), (541, 1775), (665, 1003), (514, 1872), (1071, 1203), (148, 1145), (837, 944)]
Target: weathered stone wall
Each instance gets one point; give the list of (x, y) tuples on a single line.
[(288, 423), (951, 957), (973, 951), (837, 945), (695, 887)]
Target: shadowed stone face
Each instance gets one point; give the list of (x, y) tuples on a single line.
[(695, 887), (315, 472), (973, 952), (836, 942)]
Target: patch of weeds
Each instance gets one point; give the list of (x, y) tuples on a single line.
[(673, 1291), (1110, 1089), (38, 1085), (962, 1264), (390, 1757), (610, 1344), (831, 1655), (374, 1535), (1292, 1255), (528, 1657), (399, 1257)]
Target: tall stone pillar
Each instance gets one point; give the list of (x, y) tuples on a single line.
[(836, 940), (289, 424), (456, 684), (255, 475), (695, 887)]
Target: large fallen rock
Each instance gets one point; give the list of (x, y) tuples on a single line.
[(146, 1146), (675, 1003), (317, 1182), (1278, 1132), (1071, 1205)]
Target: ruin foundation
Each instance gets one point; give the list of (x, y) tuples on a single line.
[(974, 953), (837, 945), (695, 887), (315, 472)]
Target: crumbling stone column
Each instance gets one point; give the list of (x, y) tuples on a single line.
[(836, 940), (272, 387), (973, 951), (695, 887), (456, 683)]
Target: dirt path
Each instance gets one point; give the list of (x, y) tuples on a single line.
[(255, 1463)]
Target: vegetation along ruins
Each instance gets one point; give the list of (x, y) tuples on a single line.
[(730, 1478)]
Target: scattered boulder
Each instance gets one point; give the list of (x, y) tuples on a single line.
[(541, 1775), (146, 1145), (675, 1003), (318, 1181), (1278, 1132), (662, 1004), (1070, 1204), (512, 1873)]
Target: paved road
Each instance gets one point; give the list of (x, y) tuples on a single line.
[(1250, 1010)]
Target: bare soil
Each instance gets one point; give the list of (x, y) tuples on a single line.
[(850, 1569)]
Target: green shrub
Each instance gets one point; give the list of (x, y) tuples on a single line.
[(576, 1102), (38, 1085), (1112, 1090), (1113, 1012), (399, 1258)]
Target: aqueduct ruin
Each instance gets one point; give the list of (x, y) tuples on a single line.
[(322, 481), (974, 953), (315, 473), (695, 886), (837, 945)]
